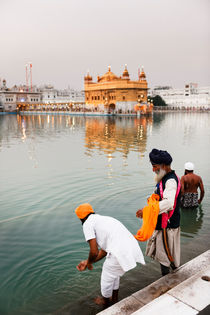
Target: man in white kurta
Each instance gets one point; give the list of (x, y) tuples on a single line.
[(121, 249)]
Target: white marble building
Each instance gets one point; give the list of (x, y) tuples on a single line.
[(11, 97), (191, 96), (50, 95), (39, 97)]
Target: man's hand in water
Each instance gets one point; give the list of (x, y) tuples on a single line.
[(83, 265), (139, 213)]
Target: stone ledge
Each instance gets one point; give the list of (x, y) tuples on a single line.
[(164, 305), (194, 291), (159, 287), (126, 306), (189, 297)]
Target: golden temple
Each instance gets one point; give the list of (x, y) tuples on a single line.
[(112, 93)]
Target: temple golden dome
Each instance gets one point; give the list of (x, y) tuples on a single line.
[(108, 76)]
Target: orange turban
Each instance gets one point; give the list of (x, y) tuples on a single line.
[(83, 210)]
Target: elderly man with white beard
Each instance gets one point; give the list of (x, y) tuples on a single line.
[(164, 245)]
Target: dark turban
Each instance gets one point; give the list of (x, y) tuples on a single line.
[(160, 157)]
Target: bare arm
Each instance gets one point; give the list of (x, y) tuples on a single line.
[(202, 191), (94, 255), (182, 185), (101, 255)]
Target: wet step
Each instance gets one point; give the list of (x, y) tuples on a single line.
[(186, 282)]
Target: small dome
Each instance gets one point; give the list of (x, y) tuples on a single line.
[(142, 74), (125, 73), (88, 77)]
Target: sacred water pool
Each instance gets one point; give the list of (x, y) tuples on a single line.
[(49, 165)]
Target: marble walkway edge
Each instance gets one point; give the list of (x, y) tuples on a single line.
[(163, 291)]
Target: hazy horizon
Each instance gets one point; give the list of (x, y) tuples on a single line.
[(63, 39)]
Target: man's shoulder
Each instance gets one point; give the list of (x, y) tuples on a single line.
[(97, 218), (194, 176), (197, 176), (171, 183), (183, 177), (171, 176), (90, 220)]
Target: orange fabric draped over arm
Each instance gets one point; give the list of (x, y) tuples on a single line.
[(150, 216)]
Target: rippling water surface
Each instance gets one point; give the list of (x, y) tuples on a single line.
[(51, 164)]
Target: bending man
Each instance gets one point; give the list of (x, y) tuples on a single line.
[(116, 243)]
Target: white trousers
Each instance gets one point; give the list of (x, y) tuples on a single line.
[(110, 276)]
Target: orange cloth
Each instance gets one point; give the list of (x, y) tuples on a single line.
[(83, 210), (150, 216)]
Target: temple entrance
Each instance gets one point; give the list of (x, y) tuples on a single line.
[(111, 108)]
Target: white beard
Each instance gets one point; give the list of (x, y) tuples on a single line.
[(159, 175)]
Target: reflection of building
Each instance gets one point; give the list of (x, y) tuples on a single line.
[(190, 96), (122, 135), (113, 93)]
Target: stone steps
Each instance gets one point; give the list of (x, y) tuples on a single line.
[(181, 292)]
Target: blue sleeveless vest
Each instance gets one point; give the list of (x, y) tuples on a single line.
[(174, 221)]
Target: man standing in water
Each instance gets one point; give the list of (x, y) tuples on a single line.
[(190, 183), (116, 243), (164, 245)]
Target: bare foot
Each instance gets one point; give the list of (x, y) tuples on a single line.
[(99, 300)]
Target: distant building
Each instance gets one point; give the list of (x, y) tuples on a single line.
[(17, 96), (1, 106), (21, 98), (50, 95), (115, 94), (191, 96)]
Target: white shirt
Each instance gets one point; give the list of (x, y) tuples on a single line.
[(169, 193), (113, 237)]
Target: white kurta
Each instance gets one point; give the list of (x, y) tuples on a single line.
[(155, 248), (123, 251), (113, 237)]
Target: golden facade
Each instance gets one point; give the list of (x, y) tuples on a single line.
[(113, 93)]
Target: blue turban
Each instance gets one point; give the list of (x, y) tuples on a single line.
[(160, 157)]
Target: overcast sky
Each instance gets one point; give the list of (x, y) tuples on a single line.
[(65, 38)]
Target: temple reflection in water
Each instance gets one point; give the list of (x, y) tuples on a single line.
[(117, 134), (106, 134)]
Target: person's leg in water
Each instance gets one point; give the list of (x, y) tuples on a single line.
[(115, 296), (106, 302), (115, 290), (100, 300), (110, 282), (109, 289)]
